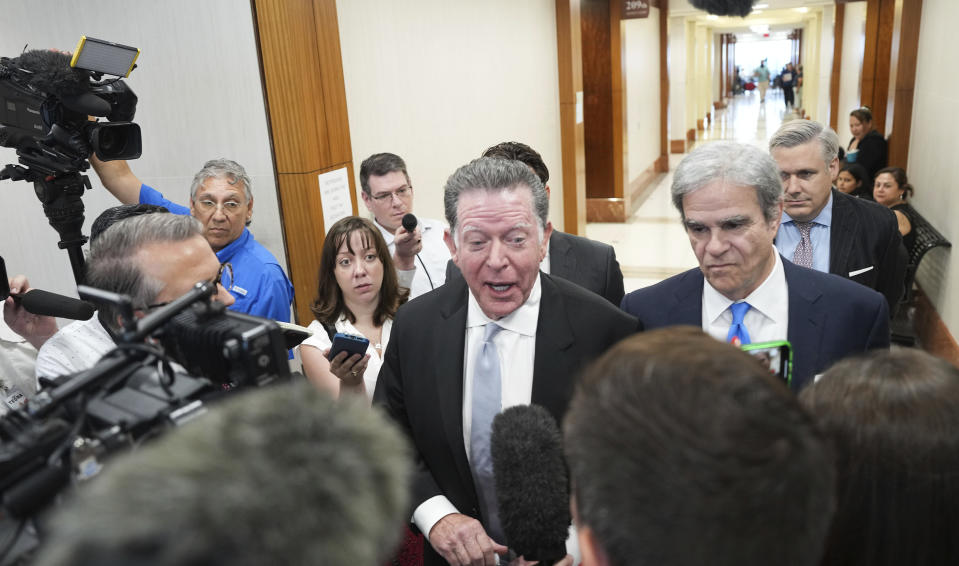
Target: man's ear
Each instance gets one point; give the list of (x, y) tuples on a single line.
[(592, 552), (450, 243), (544, 245), (366, 200)]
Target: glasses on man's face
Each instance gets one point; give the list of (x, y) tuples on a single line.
[(399, 193), (228, 207), (223, 277)]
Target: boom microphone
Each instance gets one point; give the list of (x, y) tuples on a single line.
[(51, 73), (740, 8), (532, 486), (46, 303), (409, 222)]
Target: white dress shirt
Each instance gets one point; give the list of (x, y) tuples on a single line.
[(76, 347), (430, 263), (321, 341), (767, 319)]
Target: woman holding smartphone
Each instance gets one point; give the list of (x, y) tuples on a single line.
[(358, 293)]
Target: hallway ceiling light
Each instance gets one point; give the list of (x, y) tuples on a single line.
[(755, 12), (712, 17), (802, 10), (759, 28), (759, 6)]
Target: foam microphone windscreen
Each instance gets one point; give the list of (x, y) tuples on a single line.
[(51, 72), (409, 222), (532, 487), (740, 8), (46, 303)]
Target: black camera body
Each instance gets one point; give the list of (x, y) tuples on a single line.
[(44, 109)]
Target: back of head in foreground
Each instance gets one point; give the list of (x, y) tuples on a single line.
[(684, 451), (894, 418), (282, 475)]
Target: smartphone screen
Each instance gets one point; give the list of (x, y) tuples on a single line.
[(777, 356)]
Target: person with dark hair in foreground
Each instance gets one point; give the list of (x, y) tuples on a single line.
[(588, 263), (684, 451), (893, 417), (283, 475)]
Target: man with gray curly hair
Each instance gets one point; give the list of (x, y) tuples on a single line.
[(503, 334), (730, 200), (221, 198)]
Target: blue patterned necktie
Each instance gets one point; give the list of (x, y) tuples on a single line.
[(487, 402), (738, 336)]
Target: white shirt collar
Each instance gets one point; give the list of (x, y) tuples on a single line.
[(522, 321), (769, 299), (387, 235)]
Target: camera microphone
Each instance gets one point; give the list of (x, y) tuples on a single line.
[(409, 222), (45, 303), (50, 72)]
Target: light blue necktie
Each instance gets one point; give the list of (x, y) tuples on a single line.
[(487, 402), (738, 336)]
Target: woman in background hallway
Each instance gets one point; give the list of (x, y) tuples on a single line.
[(867, 146), (892, 189)]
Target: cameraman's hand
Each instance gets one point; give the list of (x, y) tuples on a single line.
[(408, 244), (35, 328)]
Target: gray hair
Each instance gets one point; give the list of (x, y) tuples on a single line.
[(112, 264), (799, 132), (494, 174), (209, 493), (227, 169), (733, 164)]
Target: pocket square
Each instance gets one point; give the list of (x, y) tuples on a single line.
[(858, 271)]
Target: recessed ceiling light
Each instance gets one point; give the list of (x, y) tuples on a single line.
[(712, 17), (760, 6), (802, 10)]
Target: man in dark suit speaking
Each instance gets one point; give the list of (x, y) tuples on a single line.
[(504, 334), (730, 199), (825, 229)]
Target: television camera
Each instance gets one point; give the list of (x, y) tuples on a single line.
[(46, 98)]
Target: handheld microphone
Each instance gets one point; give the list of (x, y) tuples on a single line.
[(532, 485), (740, 8), (409, 222), (45, 303)]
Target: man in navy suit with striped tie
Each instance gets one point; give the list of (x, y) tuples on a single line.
[(730, 198)]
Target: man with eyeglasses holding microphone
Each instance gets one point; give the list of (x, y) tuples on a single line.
[(221, 199), (416, 244)]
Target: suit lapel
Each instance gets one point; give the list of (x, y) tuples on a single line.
[(562, 262), (449, 371), (688, 308), (807, 322), (554, 337), (844, 226)]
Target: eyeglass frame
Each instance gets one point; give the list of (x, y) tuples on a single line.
[(406, 190), (225, 266), (213, 206)]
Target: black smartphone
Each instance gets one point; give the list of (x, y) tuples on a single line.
[(776, 355), (348, 343)]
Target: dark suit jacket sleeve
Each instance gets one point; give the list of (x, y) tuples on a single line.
[(879, 331), (614, 279), (388, 395), (892, 267)]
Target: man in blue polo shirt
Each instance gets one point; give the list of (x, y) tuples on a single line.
[(222, 200)]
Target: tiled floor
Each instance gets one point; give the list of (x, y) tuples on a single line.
[(652, 244)]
